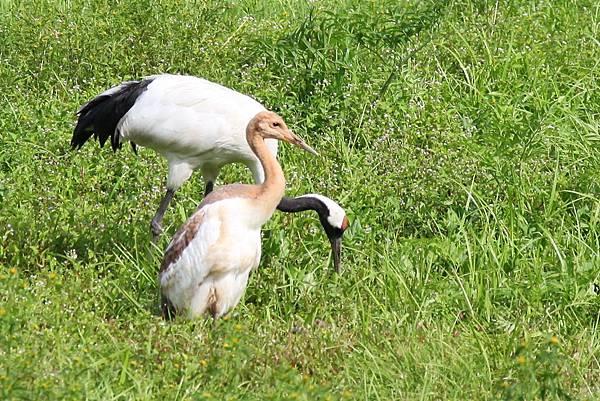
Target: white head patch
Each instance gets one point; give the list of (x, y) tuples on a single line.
[(336, 213)]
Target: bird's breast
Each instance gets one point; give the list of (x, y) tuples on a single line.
[(239, 245)]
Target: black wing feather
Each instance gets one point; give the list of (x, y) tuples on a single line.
[(100, 116)]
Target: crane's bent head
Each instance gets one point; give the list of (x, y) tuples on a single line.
[(332, 216)]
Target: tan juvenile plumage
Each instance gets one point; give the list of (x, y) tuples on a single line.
[(207, 264)]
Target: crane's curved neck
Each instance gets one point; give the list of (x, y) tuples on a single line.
[(273, 187), (302, 203)]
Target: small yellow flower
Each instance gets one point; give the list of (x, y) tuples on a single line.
[(204, 363), (554, 340), (238, 327), (521, 360), (505, 384), (206, 394), (52, 275), (2, 311), (235, 340), (225, 344), (12, 270)]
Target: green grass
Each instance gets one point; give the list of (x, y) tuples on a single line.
[(461, 137)]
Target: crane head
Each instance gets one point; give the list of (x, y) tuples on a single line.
[(331, 215), (335, 227), (270, 125)]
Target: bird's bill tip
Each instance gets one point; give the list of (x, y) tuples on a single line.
[(304, 146), (336, 250), (296, 140)]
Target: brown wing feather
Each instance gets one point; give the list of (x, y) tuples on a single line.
[(182, 239)]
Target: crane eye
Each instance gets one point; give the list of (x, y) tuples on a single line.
[(276, 124)]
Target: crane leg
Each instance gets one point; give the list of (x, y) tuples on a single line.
[(167, 308), (156, 224), (209, 187)]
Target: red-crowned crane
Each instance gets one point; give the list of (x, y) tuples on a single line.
[(194, 124), (207, 263)]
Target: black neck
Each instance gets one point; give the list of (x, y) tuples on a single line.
[(300, 204), (292, 205)]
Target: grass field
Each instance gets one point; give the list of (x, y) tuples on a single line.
[(462, 137)]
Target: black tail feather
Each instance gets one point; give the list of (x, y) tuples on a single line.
[(100, 116)]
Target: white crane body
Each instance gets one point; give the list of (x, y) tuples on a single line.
[(194, 124)]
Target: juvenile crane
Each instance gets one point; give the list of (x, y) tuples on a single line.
[(207, 263), (194, 124)]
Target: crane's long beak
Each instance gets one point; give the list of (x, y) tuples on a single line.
[(296, 140), (336, 250), (336, 243)]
